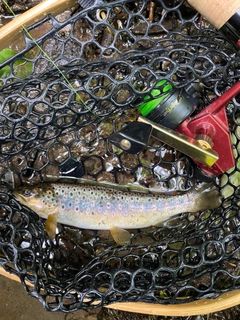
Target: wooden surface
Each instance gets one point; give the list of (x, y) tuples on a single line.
[(217, 12), (11, 30), (205, 306)]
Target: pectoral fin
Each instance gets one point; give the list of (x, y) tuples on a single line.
[(121, 236), (51, 225)]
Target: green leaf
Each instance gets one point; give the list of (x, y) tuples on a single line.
[(235, 179), (21, 68), (5, 72), (6, 54)]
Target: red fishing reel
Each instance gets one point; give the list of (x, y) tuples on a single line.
[(210, 127)]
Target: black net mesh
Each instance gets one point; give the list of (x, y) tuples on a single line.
[(113, 54)]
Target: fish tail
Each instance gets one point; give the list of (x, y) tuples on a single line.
[(207, 197)]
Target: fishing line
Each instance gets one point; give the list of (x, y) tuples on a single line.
[(49, 59)]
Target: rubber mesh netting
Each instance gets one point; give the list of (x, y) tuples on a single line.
[(113, 54)]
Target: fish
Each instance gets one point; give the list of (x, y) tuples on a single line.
[(101, 208)]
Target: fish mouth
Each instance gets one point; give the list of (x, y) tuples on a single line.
[(19, 197)]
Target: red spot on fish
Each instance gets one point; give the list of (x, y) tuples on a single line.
[(154, 207)]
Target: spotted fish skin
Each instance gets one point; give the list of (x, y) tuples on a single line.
[(101, 208)]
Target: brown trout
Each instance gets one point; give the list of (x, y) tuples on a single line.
[(101, 208)]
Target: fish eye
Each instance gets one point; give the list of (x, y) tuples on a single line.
[(27, 192)]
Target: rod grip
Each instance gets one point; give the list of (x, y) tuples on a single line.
[(217, 12)]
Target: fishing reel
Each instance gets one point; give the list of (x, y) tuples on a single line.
[(166, 115)]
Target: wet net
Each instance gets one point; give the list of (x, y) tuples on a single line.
[(113, 54)]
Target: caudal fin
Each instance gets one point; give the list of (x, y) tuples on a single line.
[(208, 198)]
